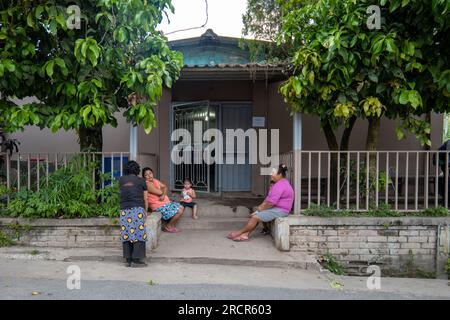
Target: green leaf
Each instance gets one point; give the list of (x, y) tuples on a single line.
[(97, 82), (38, 11), (9, 65), (49, 68), (414, 98), (404, 97), (390, 46), (373, 77), (394, 5), (30, 21), (400, 134)]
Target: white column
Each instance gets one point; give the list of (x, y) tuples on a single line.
[(133, 142), (297, 139), (297, 147)]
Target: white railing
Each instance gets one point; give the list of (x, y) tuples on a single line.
[(362, 180), (31, 170)]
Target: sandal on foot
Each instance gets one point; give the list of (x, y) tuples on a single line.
[(231, 235), (241, 239), (170, 230)]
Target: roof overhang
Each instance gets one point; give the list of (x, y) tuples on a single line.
[(239, 72)]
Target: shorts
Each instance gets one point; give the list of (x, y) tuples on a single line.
[(188, 204), (271, 214), (169, 210)]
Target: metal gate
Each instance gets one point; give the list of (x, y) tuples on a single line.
[(236, 177), (183, 116)]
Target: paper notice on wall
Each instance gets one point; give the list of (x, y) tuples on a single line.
[(259, 122)]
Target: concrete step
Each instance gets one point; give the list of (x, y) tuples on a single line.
[(214, 210), (190, 246), (211, 223)]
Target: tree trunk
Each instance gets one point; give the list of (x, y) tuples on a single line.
[(90, 139), (428, 119), (373, 132), (345, 139), (332, 146)]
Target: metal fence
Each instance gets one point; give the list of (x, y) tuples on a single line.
[(362, 180), (32, 170)]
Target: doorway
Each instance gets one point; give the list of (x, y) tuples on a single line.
[(214, 177)]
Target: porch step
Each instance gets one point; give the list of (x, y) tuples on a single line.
[(223, 208), (212, 247), (210, 223)]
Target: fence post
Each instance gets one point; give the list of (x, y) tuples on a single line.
[(297, 181)]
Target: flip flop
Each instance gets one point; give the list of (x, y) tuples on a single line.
[(230, 236), (241, 239), (170, 230)]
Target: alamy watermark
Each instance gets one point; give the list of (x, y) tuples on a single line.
[(74, 20), (374, 20), (374, 280), (74, 279), (208, 147)]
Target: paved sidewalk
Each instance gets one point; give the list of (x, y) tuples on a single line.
[(188, 246), (19, 278)]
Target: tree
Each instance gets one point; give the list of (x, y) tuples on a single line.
[(263, 21), (82, 77), (343, 70)]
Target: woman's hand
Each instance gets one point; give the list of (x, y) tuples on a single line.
[(161, 198)]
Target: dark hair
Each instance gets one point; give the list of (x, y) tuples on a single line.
[(187, 180), (132, 167), (282, 169), (146, 169)]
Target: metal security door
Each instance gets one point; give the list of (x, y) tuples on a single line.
[(236, 177), (183, 116)]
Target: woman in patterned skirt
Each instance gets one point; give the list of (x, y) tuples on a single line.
[(133, 213), (158, 201)]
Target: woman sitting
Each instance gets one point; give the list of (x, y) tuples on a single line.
[(159, 201), (277, 204)]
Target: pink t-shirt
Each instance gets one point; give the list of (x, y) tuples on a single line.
[(153, 199), (281, 195)]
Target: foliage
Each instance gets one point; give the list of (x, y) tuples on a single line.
[(262, 21), (435, 212), (343, 70), (70, 193), (83, 77), (9, 233), (411, 270), (364, 189), (330, 263), (383, 210), (447, 267), (5, 240)]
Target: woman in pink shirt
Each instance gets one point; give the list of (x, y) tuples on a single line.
[(159, 201), (277, 204)]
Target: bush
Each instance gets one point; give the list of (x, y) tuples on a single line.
[(382, 210), (70, 193), (330, 263), (447, 267)]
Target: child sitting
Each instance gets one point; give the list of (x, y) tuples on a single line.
[(187, 194)]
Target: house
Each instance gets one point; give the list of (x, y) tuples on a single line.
[(220, 87)]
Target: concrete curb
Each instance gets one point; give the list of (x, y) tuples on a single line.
[(208, 260), (25, 253)]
